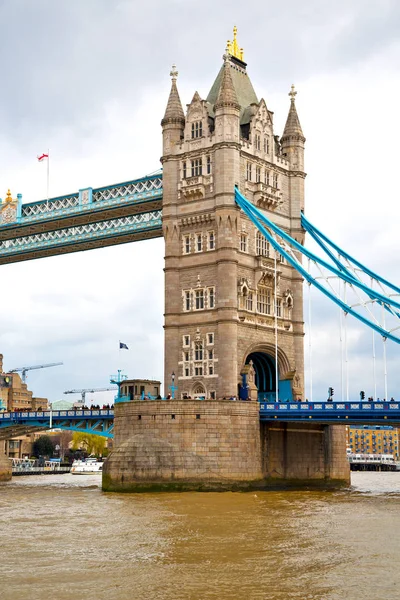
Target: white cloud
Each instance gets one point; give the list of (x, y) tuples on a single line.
[(90, 81)]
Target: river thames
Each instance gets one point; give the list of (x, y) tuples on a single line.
[(62, 538)]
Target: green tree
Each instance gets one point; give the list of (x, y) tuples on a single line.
[(43, 446), (92, 444)]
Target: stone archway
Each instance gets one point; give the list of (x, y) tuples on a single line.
[(198, 391), (263, 361), (265, 374)]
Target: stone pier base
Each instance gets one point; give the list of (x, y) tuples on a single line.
[(184, 445), (181, 445), (304, 455), (5, 464)]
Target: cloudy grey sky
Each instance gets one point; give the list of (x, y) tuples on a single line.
[(90, 80)]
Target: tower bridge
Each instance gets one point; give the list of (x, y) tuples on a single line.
[(230, 205), (101, 422)]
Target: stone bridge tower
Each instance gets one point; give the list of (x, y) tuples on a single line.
[(221, 318)]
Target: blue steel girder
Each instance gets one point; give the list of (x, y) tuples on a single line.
[(98, 422), (101, 427), (291, 249), (90, 219), (70, 239), (83, 202), (332, 412)]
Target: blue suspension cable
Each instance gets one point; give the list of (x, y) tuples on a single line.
[(314, 232), (256, 216)]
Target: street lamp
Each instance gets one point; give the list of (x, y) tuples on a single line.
[(172, 387)]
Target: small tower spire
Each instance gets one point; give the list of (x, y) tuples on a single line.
[(174, 110), (292, 127), (227, 94)]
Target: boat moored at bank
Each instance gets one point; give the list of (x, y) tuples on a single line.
[(88, 466)]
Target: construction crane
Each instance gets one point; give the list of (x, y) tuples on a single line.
[(23, 370), (90, 390)]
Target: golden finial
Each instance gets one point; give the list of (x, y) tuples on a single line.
[(292, 93), (232, 48), (8, 197)]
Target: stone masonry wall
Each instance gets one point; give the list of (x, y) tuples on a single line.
[(184, 445), (304, 454), (5, 464)]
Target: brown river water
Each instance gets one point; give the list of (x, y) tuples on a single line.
[(62, 538)]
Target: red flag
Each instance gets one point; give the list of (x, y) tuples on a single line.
[(42, 157)]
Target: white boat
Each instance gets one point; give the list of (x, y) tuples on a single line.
[(88, 466)]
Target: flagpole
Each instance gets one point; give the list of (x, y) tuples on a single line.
[(48, 176)]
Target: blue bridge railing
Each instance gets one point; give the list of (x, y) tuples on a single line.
[(99, 422), (345, 412)]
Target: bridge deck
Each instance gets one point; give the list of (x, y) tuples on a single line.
[(332, 412), (101, 422), (88, 219)]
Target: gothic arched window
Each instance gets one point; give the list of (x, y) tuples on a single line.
[(262, 245), (197, 129), (198, 351)]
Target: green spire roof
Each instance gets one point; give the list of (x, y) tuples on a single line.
[(242, 86)]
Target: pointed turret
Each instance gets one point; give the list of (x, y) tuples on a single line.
[(174, 110), (293, 138), (227, 96), (173, 123), (293, 127)]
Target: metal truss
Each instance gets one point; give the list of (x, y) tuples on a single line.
[(89, 231), (98, 422), (101, 427), (136, 190), (355, 289), (128, 189), (332, 412), (53, 204)]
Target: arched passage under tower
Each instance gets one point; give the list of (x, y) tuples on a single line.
[(263, 376)]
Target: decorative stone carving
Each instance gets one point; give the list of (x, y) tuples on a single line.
[(296, 386), (197, 220), (288, 298), (267, 197), (249, 377), (194, 188), (9, 210), (268, 276), (243, 286)]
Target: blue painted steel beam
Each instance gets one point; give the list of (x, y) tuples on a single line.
[(256, 215), (259, 219), (317, 235), (98, 422), (331, 412), (85, 201), (103, 230)]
